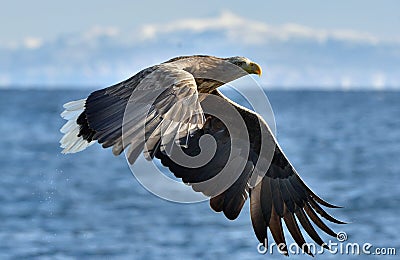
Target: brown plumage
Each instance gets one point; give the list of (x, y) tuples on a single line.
[(280, 196)]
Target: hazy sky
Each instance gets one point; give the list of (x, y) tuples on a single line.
[(345, 43), (47, 18)]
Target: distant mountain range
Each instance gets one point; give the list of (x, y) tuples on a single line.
[(293, 56)]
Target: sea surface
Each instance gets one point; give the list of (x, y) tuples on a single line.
[(345, 145)]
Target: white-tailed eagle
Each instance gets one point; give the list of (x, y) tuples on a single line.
[(166, 99)]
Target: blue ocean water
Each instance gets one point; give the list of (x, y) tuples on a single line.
[(345, 145)]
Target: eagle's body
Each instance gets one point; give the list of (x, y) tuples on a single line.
[(172, 93)]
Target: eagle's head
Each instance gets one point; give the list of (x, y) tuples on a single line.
[(246, 64)]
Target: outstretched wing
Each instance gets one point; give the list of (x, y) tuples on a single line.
[(281, 194), (155, 107)]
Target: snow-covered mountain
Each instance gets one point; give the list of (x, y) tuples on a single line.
[(292, 55)]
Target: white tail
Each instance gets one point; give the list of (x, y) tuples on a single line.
[(70, 141)]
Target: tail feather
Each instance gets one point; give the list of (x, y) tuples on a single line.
[(71, 142)]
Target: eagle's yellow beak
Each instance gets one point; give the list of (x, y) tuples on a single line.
[(257, 69), (254, 68)]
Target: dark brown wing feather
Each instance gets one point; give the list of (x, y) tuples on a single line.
[(102, 118), (162, 99), (281, 194)]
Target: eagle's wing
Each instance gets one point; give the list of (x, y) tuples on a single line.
[(155, 107), (281, 194)]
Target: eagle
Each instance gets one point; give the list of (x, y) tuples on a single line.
[(164, 106)]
